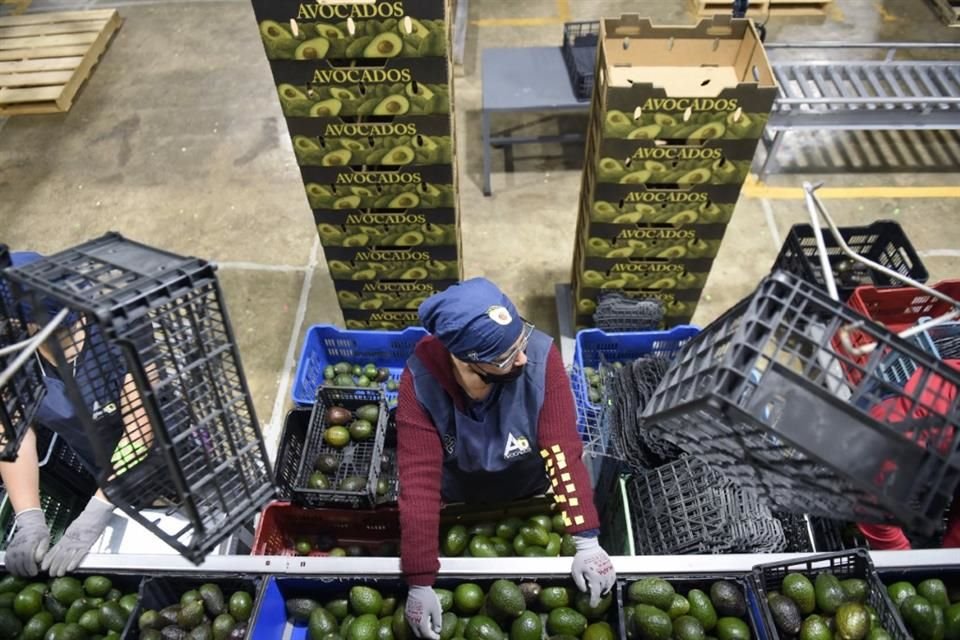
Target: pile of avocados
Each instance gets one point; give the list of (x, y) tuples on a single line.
[(371, 39), (343, 431), (325, 544), (400, 270), (824, 609), (387, 151), (670, 248), (654, 610), (540, 535), (926, 608), (382, 325), (66, 608), (524, 611), (345, 374), (682, 172), (397, 99), (204, 613), (594, 380), (676, 214), (397, 197), (681, 126), (387, 235)]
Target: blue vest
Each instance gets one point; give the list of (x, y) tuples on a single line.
[(490, 448)]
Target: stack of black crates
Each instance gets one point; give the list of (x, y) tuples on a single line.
[(676, 117), (367, 92)]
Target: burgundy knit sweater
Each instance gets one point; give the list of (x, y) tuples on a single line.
[(420, 457)]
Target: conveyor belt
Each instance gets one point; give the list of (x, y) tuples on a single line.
[(886, 94)]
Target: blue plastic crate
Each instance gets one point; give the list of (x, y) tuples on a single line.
[(326, 344), (594, 346)]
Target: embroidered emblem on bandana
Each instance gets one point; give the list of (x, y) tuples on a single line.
[(500, 315)]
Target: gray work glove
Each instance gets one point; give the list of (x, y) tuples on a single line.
[(592, 569), (424, 613), (78, 538), (31, 539)]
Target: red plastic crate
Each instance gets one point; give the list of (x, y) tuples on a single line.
[(282, 523)]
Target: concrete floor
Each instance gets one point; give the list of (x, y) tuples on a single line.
[(178, 141)]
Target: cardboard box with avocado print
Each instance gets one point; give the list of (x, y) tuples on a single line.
[(652, 163), (429, 227), (310, 30), (711, 80), (678, 306), (397, 87), (405, 140), (382, 320), (369, 264), (387, 294), (626, 193), (646, 274), (608, 243), (405, 187), (633, 209)]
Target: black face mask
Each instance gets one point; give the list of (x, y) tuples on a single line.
[(500, 378)]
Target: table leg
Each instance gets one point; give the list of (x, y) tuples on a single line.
[(770, 162), (485, 126)]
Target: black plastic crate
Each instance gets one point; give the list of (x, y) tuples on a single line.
[(389, 468), (883, 242), (159, 592), (160, 362), (849, 564), (21, 395), (61, 504), (293, 439), (580, 53), (61, 462), (762, 395), (357, 459)]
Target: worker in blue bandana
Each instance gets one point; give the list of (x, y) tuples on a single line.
[(485, 414), (121, 422)]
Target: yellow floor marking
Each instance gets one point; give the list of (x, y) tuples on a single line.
[(885, 15), (754, 189), (563, 10)]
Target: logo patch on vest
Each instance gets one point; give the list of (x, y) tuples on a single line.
[(516, 447)]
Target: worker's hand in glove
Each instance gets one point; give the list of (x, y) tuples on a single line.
[(424, 613), (78, 538), (592, 570), (31, 539)]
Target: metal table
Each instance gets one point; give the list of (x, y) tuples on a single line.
[(524, 79), (888, 94)]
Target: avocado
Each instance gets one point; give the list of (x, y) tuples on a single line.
[(385, 45), (481, 547), (448, 626), (679, 607), (347, 202), (815, 628), (684, 217), (702, 609), (650, 623), (920, 617), (566, 621), (35, 628), (393, 105), (191, 615), (338, 158), (951, 618), (857, 590), (829, 593), (526, 627), (636, 177), (900, 591), (326, 108), (786, 614), (328, 31), (114, 618), (655, 592), (617, 124), (699, 175), (240, 606), (603, 210), (404, 201), (398, 156), (665, 120), (798, 588), (731, 628), (534, 534), (709, 131), (932, 589), (365, 600), (401, 629), (455, 542), (365, 627), (278, 41), (212, 597), (852, 621), (553, 597), (289, 93), (505, 598), (727, 599), (66, 590), (97, 586), (646, 132), (688, 628), (483, 628), (609, 170), (168, 615), (312, 49)]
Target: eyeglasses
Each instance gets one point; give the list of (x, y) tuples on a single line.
[(511, 356)]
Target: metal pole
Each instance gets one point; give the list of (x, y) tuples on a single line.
[(808, 190)]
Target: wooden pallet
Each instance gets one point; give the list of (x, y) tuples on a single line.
[(46, 57), (764, 7), (948, 10)]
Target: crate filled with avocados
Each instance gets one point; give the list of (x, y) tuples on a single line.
[(297, 30), (529, 528), (67, 608), (928, 601), (366, 228), (828, 596), (687, 608), (473, 609), (195, 608), (388, 88), (400, 141)]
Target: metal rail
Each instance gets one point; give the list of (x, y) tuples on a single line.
[(887, 94)]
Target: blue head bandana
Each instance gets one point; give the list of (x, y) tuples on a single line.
[(474, 320)]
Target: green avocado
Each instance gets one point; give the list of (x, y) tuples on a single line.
[(312, 49), (702, 609), (483, 628), (655, 592), (505, 599), (385, 45), (393, 105), (650, 623), (688, 628), (277, 39), (565, 621), (326, 108), (727, 599), (829, 593), (852, 620), (786, 614)]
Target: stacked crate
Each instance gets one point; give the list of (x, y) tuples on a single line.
[(676, 117), (366, 89)]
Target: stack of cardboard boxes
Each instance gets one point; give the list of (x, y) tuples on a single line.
[(676, 118), (366, 89)]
